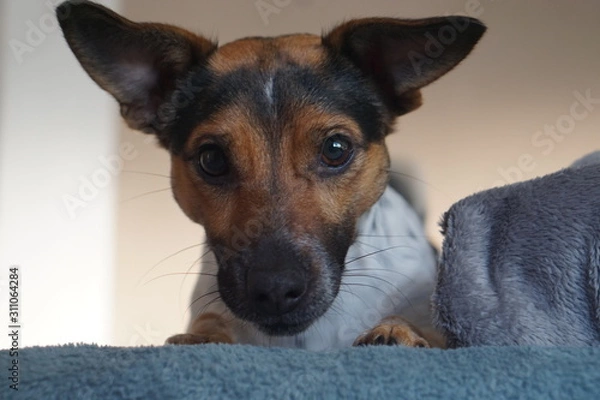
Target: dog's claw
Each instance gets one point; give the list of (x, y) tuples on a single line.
[(392, 332)]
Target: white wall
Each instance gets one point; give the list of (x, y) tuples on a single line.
[(54, 126)]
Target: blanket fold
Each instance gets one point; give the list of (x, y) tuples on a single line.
[(520, 264)]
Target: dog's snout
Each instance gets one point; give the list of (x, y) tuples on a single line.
[(276, 293)]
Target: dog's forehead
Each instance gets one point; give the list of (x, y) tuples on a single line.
[(268, 53), (271, 82)]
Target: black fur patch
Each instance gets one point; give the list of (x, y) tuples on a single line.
[(337, 87)]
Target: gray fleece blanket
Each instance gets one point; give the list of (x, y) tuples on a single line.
[(520, 264)]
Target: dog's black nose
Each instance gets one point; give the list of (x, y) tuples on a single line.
[(275, 292)]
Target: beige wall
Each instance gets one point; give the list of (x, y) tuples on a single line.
[(477, 123)]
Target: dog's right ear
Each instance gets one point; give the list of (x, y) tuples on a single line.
[(138, 63)]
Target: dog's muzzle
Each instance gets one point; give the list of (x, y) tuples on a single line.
[(278, 287)]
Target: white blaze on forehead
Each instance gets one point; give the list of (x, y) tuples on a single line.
[(269, 90)]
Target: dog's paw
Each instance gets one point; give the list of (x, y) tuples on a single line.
[(193, 338), (392, 331)]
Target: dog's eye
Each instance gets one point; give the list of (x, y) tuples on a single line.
[(212, 161), (337, 151)]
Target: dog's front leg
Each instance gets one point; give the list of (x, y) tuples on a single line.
[(396, 330), (207, 328)]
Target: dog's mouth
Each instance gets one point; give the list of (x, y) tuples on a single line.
[(287, 324), (283, 284), (312, 306)]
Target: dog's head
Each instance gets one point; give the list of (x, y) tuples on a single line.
[(277, 144)]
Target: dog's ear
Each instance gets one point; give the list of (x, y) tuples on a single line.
[(401, 56), (138, 63)]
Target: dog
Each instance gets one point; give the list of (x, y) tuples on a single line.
[(277, 149)]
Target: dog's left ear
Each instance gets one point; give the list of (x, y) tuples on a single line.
[(139, 64), (402, 56)]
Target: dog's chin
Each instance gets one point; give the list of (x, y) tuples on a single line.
[(284, 329), (289, 324), (284, 325)]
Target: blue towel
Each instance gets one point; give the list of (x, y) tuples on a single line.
[(520, 264), (247, 372)]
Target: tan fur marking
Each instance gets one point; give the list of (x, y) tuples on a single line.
[(221, 211), (207, 328), (316, 200), (236, 55), (266, 53), (396, 330)]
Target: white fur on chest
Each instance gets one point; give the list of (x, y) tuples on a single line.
[(390, 270)]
